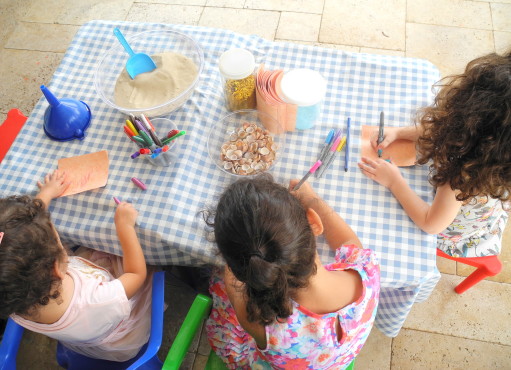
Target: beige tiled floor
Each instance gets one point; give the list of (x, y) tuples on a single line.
[(471, 331)]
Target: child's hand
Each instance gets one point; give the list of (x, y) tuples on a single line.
[(381, 171), (390, 135), (54, 184), (125, 214)]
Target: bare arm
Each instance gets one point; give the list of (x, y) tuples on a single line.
[(135, 270), (53, 185), (336, 231), (432, 218)]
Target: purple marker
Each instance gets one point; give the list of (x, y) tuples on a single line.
[(116, 200), (139, 183), (135, 155)]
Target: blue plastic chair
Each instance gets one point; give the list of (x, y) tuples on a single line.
[(147, 358)]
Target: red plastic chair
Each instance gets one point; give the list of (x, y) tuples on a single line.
[(9, 130), (486, 266)]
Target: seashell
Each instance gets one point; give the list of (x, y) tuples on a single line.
[(233, 136), (225, 147), (250, 138), (245, 167), (227, 165), (248, 155), (253, 147), (249, 129), (264, 151), (233, 147), (246, 124), (242, 134), (238, 153)]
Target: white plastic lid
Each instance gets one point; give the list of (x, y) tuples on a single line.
[(235, 64), (303, 87)]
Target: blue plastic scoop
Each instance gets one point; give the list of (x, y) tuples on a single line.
[(137, 63)]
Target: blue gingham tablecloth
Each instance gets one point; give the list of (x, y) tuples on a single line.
[(170, 224)]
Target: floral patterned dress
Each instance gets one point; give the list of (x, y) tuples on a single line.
[(305, 340), (477, 229)]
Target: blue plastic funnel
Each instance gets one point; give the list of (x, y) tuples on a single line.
[(65, 119)]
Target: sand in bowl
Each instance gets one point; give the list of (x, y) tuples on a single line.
[(174, 73)]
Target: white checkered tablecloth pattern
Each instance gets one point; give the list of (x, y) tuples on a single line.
[(170, 225)]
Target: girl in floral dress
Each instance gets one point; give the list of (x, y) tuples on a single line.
[(466, 137), (275, 305)]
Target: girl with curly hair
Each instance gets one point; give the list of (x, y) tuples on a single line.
[(274, 303), (465, 136), (98, 312)]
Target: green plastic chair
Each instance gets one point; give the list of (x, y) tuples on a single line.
[(197, 313)]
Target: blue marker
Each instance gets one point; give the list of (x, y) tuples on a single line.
[(328, 141), (347, 150)]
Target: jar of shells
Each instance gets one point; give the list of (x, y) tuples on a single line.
[(237, 69), (240, 145)]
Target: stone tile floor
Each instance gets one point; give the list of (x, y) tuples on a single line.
[(469, 331)]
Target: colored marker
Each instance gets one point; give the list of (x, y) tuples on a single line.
[(324, 167), (328, 141), (146, 120), (129, 131), (144, 151), (380, 134), (117, 201), (156, 152), (150, 130), (139, 183), (135, 155), (131, 126), (331, 152), (169, 139), (311, 171), (347, 151), (172, 133), (146, 138)]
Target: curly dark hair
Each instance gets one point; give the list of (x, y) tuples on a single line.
[(28, 253), (467, 131), (263, 234)]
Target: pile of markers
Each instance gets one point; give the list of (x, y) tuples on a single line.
[(334, 143), (141, 131)]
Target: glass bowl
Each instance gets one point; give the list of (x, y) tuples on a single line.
[(246, 143), (151, 42)]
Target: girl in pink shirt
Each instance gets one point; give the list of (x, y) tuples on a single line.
[(98, 312)]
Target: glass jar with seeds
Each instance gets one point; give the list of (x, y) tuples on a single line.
[(237, 69)]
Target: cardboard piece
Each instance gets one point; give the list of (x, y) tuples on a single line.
[(85, 172), (401, 152)]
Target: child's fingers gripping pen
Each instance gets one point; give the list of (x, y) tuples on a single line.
[(311, 171)]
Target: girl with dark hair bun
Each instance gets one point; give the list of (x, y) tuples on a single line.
[(274, 303), (99, 307), (465, 136)]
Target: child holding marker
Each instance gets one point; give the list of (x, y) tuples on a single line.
[(99, 307), (275, 305), (466, 137)]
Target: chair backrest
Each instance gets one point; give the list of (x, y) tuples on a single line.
[(146, 358), (9, 130), (198, 311)]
